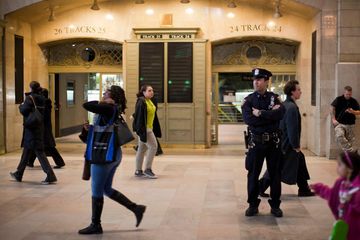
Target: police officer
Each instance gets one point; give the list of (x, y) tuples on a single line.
[(262, 112)]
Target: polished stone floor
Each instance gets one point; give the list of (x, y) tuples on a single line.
[(200, 194)]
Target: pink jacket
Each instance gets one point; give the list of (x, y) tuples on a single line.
[(352, 212)]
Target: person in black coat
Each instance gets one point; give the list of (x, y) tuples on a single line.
[(294, 170), (49, 141), (32, 141), (147, 127)]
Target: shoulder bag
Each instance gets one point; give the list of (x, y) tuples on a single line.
[(35, 119), (124, 135)]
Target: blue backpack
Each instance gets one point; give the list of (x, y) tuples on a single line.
[(101, 147)]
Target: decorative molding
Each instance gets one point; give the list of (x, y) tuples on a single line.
[(69, 53), (254, 53)]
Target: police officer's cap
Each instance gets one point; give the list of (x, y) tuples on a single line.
[(261, 73)]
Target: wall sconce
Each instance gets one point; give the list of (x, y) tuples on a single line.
[(231, 4), (95, 6), (139, 1), (185, 1), (277, 13), (52, 14)]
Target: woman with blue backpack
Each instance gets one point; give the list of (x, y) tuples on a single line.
[(105, 156)]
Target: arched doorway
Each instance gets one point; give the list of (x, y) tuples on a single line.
[(232, 62), (80, 70)]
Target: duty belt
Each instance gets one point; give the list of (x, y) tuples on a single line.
[(265, 137)]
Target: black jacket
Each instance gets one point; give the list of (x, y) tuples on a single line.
[(290, 126), (140, 118), (32, 138), (49, 140)]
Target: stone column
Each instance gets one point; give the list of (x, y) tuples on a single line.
[(2, 107), (347, 68)]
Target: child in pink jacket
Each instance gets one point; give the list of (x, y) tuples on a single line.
[(344, 197)]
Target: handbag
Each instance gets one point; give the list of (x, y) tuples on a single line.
[(86, 171), (83, 135), (35, 119), (339, 231), (101, 141), (123, 133)]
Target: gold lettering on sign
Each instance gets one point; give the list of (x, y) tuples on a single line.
[(255, 28), (79, 29)]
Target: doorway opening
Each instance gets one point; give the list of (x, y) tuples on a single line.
[(70, 90)]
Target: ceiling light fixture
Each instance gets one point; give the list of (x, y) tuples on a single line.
[(139, 1), (231, 4), (185, 1), (277, 13), (95, 6)]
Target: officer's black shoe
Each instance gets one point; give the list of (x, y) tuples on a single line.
[(277, 212), (264, 194), (251, 211)]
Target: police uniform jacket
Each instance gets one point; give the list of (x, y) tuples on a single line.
[(32, 137), (140, 118), (269, 119)]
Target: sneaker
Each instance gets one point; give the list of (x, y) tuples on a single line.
[(251, 211), (139, 173), (49, 180), (15, 176), (277, 212), (149, 174)]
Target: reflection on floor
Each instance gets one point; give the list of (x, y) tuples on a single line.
[(200, 194)]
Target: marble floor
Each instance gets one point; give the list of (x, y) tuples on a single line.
[(200, 194)]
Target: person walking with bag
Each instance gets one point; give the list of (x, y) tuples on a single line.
[(105, 155), (32, 141), (147, 127), (344, 197), (49, 141), (294, 169)]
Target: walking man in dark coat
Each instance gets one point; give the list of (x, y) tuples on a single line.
[(49, 141), (294, 170), (32, 141)]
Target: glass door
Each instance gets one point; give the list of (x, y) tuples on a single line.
[(97, 85)]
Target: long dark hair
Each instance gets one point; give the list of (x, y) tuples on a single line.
[(352, 161), (142, 90), (118, 95)]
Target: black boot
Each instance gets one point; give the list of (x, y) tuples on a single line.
[(138, 210), (95, 226)]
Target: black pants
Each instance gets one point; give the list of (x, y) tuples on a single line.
[(299, 171), (254, 162), (54, 153), (27, 154)]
